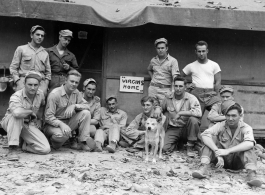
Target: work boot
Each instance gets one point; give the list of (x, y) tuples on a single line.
[(74, 145), (98, 147), (124, 144), (190, 152), (252, 179), (91, 143), (202, 173), (12, 153), (111, 147), (85, 147)]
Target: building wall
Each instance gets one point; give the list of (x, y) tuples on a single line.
[(239, 54)]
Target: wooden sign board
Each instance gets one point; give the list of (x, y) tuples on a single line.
[(132, 84)]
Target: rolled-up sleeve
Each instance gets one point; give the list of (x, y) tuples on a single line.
[(248, 134), (14, 103), (50, 111), (214, 113), (195, 107), (47, 68), (212, 131), (175, 68), (81, 103), (14, 66)]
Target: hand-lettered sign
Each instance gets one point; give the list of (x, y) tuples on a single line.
[(132, 84)]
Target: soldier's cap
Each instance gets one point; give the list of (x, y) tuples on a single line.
[(37, 27), (66, 33), (33, 74), (87, 81), (161, 40), (226, 105), (226, 88), (111, 96)]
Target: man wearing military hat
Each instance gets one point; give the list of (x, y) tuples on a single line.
[(61, 59), (215, 115), (21, 118), (229, 144), (162, 69), (31, 56)]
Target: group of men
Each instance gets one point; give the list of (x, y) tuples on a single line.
[(48, 78)]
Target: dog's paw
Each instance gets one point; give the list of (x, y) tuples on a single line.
[(146, 160), (154, 161)]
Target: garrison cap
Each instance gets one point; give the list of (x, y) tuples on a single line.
[(226, 88), (33, 74), (37, 27), (66, 33), (226, 105), (87, 81), (161, 40), (111, 96)]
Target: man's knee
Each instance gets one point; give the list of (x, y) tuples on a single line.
[(86, 113), (45, 150), (59, 138), (194, 121)]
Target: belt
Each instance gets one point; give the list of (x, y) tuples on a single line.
[(160, 85), (204, 89), (24, 74)]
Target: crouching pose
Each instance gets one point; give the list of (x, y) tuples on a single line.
[(229, 144), (21, 118), (67, 111), (112, 120)]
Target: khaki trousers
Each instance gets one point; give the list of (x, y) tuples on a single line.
[(34, 140), (160, 93), (112, 133), (80, 120)]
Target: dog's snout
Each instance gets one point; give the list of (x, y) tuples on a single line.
[(149, 128)]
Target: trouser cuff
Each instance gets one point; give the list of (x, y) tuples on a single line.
[(205, 160)]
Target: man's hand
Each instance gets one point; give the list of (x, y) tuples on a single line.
[(33, 116), (69, 111), (66, 66), (67, 131), (191, 86), (141, 132), (113, 120), (220, 162), (222, 152)]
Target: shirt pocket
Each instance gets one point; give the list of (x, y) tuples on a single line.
[(62, 103), (26, 62), (224, 139)]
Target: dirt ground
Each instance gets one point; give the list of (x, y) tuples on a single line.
[(70, 172)]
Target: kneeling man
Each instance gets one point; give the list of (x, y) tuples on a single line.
[(183, 112), (67, 111), (21, 118), (230, 145), (111, 121)]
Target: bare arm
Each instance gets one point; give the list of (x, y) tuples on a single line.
[(244, 146), (150, 73), (93, 122), (217, 82), (21, 113), (208, 141)]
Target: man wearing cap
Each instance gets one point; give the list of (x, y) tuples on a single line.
[(67, 111), (90, 87), (215, 115), (31, 57), (206, 77), (21, 118), (229, 144), (61, 59), (112, 120), (163, 69)]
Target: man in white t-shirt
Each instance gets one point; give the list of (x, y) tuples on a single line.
[(206, 77)]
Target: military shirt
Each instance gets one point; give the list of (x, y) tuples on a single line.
[(94, 107), (244, 132), (57, 103), (57, 60), (138, 123), (26, 58), (106, 117), (165, 71), (20, 100)]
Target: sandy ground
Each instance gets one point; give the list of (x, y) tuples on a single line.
[(70, 172)]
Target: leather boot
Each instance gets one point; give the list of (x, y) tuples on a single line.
[(98, 147), (111, 147), (252, 179), (202, 173), (12, 153)]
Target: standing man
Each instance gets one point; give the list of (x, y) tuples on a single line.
[(112, 120), (66, 111), (21, 118), (31, 57), (61, 59), (163, 69), (90, 87), (206, 77), (229, 144), (183, 112)]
